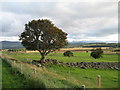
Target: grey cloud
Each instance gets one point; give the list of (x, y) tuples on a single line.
[(79, 20), (33, 8)]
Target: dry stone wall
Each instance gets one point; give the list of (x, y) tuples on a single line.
[(85, 65)]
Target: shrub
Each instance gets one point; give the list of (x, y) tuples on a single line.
[(68, 53), (96, 53)]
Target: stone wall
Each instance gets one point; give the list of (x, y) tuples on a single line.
[(85, 65), (96, 65)]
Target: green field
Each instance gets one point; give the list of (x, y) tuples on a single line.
[(57, 76), (78, 57), (88, 76), (53, 76)]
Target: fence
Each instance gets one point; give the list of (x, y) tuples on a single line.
[(32, 71)]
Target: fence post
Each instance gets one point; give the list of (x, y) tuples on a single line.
[(99, 81), (13, 67), (34, 72), (69, 75), (13, 62), (21, 68), (83, 86)]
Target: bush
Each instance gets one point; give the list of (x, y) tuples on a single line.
[(68, 53), (96, 53)]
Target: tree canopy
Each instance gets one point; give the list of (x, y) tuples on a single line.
[(96, 53), (68, 53), (44, 36)]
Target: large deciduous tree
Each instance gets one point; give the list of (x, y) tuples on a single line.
[(44, 36)]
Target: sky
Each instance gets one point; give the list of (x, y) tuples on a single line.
[(82, 21)]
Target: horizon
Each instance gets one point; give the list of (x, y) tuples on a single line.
[(73, 41)]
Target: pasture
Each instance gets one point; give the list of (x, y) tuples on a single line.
[(57, 76), (54, 76), (78, 57)]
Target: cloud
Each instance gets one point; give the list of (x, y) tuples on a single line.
[(13, 24), (81, 20)]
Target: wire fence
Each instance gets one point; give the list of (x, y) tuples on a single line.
[(32, 71)]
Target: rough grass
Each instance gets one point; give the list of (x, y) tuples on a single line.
[(0, 74), (12, 78), (42, 79), (87, 76), (53, 76)]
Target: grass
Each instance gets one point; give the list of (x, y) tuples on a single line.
[(44, 78), (0, 74), (88, 76), (78, 57), (9, 79), (14, 79), (53, 76)]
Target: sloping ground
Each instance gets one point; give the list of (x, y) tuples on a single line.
[(44, 78), (0, 74), (54, 76), (9, 79), (12, 80)]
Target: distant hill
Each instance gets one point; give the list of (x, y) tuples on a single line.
[(18, 45), (11, 45), (92, 44)]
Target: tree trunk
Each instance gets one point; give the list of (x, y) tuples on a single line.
[(42, 58)]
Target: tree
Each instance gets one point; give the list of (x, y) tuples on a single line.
[(96, 53), (68, 53), (44, 36)]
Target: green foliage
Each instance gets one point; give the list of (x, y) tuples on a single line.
[(68, 53), (96, 53), (44, 36)]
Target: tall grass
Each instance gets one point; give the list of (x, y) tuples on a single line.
[(43, 78), (13, 78)]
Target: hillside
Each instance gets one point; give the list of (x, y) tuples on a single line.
[(11, 45), (17, 45)]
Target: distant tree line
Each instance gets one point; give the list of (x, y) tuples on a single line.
[(16, 50)]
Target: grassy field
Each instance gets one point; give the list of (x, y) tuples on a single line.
[(78, 57), (53, 76), (88, 76)]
